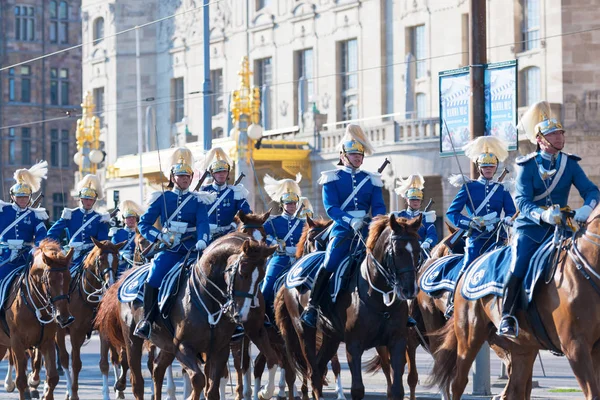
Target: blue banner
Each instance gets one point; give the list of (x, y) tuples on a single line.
[(455, 91), (500, 80)]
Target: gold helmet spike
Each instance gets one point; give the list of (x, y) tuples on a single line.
[(90, 187), (355, 141), (29, 180), (217, 160), (283, 190), (539, 120), (182, 161), (130, 208), (486, 151), (411, 188)]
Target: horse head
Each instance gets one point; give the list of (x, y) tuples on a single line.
[(308, 243), (243, 276), (394, 247), (51, 276), (253, 225), (103, 261)]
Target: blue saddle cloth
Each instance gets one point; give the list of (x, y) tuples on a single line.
[(486, 275), (6, 283), (441, 274), (302, 274)]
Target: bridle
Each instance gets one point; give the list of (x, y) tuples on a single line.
[(314, 232), (93, 277), (44, 297)]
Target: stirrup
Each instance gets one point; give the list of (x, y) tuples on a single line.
[(143, 329), (449, 311), (503, 331), (310, 316), (238, 333)]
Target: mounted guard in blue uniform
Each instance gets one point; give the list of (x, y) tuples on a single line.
[(485, 200), (543, 182), (350, 197), (22, 227), (411, 190), (283, 230), (230, 198), (184, 217), (81, 224), (131, 213)]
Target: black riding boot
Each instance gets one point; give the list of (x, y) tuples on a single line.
[(509, 326), (449, 306), (144, 327), (311, 313)]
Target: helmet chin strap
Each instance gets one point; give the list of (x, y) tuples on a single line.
[(345, 155), (547, 143)]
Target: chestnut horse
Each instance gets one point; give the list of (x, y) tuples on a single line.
[(367, 317), (34, 303), (217, 295), (567, 308)]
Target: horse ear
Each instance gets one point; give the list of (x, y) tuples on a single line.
[(394, 225), (120, 245), (97, 243), (268, 252), (47, 260), (241, 215), (245, 246), (451, 229), (266, 216), (329, 223), (415, 223), (70, 254), (310, 222)]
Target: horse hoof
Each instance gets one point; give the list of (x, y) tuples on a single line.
[(119, 386), (10, 387), (35, 394), (27, 396), (120, 395), (31, 381), (60, 371)]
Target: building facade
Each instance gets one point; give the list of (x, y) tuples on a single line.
[(39, 100), (322, 63)]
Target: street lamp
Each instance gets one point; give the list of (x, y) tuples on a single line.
[(245, 115), (88, 154)]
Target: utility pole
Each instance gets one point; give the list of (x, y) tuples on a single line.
[(206, 87), (477, 61)]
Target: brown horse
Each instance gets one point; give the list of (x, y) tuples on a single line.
[(34, 303), (367, 316), (567, 309), (218, 293)]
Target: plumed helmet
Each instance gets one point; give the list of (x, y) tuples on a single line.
[(182, 161), (355, 141), (28, 181), (284, 190), (130, 208), (486, 151), (217, 161), (90, 187), (539, 120), (411, 188)]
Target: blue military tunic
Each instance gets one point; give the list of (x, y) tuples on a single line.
[(480, 190), (126, 253), (95, 225), (30, 228), (285, 228), (427, 231), (532, 194), (193, 212), (342, 202), (230, 199)]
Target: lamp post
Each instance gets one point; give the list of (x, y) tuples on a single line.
[(245, 116), (88, 154)]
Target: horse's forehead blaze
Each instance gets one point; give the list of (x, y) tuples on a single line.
[(409, 247)]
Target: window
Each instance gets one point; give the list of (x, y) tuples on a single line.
[(58, 204), (11, 146), (25, 84), (216, 80), (304, 77), (59, 148), (178, 97), (98, 29), (54, 148), (99, 103), (218, 133), (531, 88), (263, 71), (64, 86), (260, 4), (25, 146), (421, 105), (418, 48), (59, 22), (531, 24), (24, 23), (349, 79), (65, 158), (11, 84)]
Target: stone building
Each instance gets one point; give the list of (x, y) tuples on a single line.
[(37, 97), (372, 61)]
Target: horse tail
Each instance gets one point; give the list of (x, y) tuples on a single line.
[(108, 320), (445, 356), (373, 365), (286, 327)]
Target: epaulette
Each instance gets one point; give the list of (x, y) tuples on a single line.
[(205, 197), (3, 204), (67, 212), (40, 213), (153, 197), (375, 178), (523, 159), (509, 184), (113, 231), (457, 180), (239, 191), (104, 217), (328, 176), (573, 156)]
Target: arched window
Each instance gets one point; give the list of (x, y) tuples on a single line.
[(99, 29), (531, 88)]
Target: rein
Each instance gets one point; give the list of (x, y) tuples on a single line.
[(95, 296), (47, 302), (580, 261)]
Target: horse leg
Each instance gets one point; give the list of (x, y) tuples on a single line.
[(63, 358), (77, 340), (354, 351), (121, 383), (336, 368), (246, 354), (261, 340), (470, 338), (161, 363), (134, 346), (187, 384), (103, 364), (236, 352), (259, 368), (20, 360), (171, 388), (281, 385), (519, 382), (9, 383), (411, 358), (33, 378), (219, 362), (398, 361), (187, 356), (49, 352), (579, 355)]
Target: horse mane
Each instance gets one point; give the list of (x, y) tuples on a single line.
[(319, 223), (51, 248), (379, 224), (250, 219), (215, 257)]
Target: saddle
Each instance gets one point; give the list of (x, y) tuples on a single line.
[(8, 293)]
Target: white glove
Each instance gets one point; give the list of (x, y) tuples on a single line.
[(551, 216), (508, 221), (477, 223), (213, 228), (425, 245), (357, 224), (583, 213), (165, 238), (200, 245), (280, 246), (233, 227)]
